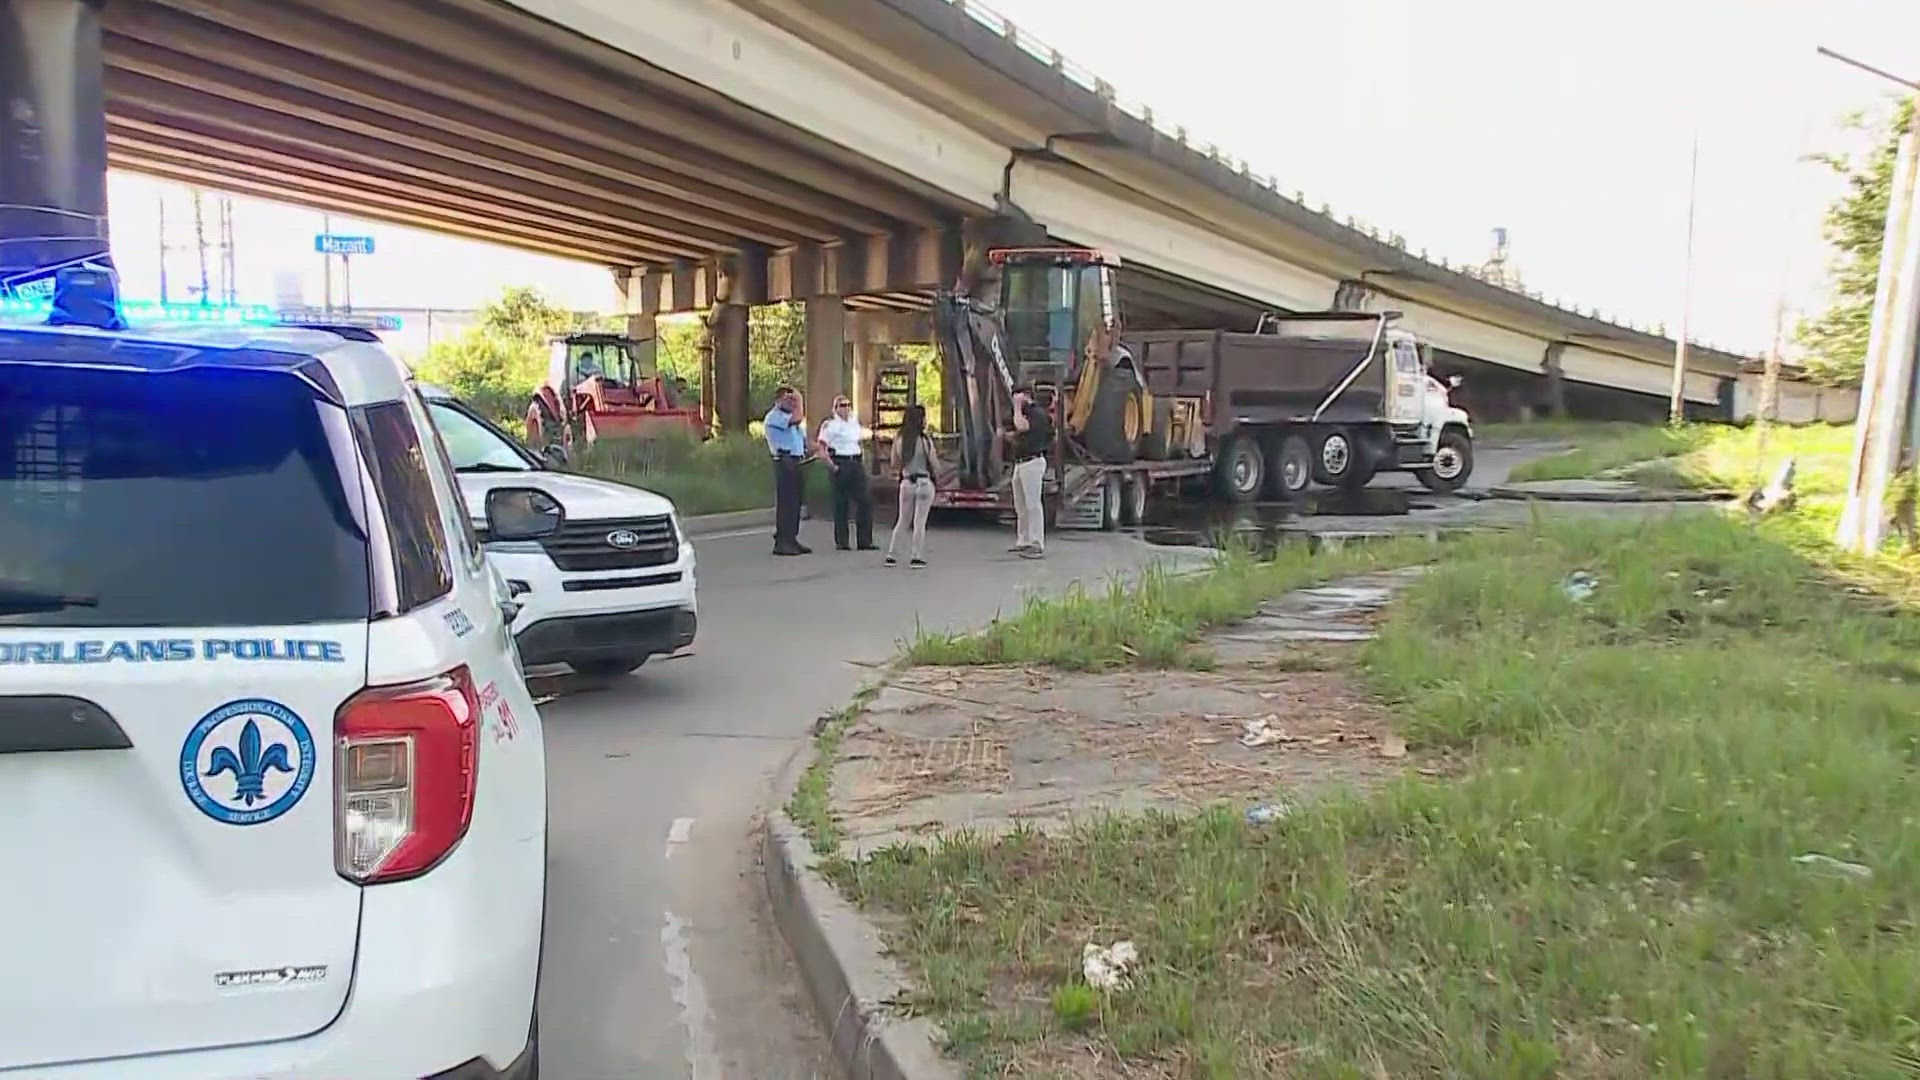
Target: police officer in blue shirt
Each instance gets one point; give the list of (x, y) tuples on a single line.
[(787, 439)]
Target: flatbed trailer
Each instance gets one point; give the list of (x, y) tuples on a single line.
[(1330, 397)]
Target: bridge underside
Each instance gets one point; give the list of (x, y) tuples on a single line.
[(478, 119)]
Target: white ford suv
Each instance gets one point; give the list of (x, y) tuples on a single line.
[(272, 790), (614, 587)]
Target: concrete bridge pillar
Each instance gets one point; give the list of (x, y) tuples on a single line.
[(1556, 379), (641, 321), (53, 139), (826, 318), (730, 389)]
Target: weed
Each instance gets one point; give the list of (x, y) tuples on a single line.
[(1610, 891), (811, 805), (712, 477), (1075, 1006), (1608, 448), (1154, 619)]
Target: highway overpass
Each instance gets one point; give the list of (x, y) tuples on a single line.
[(847, 153)]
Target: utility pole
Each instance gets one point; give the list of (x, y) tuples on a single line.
[(1677, 403), (200, 244), (160, 219), (229, 262), (1767, 409), (1882, 435)]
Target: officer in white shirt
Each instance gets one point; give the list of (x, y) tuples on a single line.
[(841, 441)]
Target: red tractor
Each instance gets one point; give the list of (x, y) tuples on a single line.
[(605, 386)]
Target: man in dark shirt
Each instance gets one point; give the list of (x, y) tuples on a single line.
[(1032, 440)]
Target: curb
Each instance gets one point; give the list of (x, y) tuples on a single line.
[(1513, 494), (848, 976), (708, 524)]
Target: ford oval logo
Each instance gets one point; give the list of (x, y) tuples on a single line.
[(624, 539)]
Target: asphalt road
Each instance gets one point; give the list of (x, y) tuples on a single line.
[(661, 959)]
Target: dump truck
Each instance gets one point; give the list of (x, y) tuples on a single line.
[(1333, 397)]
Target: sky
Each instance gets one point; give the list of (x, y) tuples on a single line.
[(1568, 122)]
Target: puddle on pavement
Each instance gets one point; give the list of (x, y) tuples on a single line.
[(1267, 524)]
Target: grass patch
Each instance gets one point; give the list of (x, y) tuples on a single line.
[(1612, 890), (811, 805), (1496, 433), (1156, 618), (1606, 448), (712, 477)]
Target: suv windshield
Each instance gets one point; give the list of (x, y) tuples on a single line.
[(195, 498), (472, 445)]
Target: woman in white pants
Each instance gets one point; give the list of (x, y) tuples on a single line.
[(915, 462)]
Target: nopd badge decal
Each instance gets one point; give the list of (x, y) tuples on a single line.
[(247, 762)]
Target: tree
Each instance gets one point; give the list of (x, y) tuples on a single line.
[(496, 365), (1836, 340), (523, 313), (776, 349)]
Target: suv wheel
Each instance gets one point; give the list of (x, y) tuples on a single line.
[(605, 668)]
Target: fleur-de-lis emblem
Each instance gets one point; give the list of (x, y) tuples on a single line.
[(250, 767)]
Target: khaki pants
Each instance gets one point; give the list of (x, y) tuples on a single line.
[(1029, 477)]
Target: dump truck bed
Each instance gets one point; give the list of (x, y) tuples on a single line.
[(1332, 377)]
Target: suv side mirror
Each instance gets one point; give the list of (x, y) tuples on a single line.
[(1454, 381), (518, 513), (555, 456)]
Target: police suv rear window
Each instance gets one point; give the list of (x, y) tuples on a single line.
[(192, 498)]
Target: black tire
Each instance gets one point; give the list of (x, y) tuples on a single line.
[(1343, 459), (606, 668), (1455, 447), (1112, 492), (1289, 467), (1241, 472), (1158, 443), (550, 430), (1113, 401), (1133, 501)]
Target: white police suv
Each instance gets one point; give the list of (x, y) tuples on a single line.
[(613, 587), (271, 787)]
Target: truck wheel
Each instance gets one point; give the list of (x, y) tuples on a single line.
[(1344, 460), (1110, 502), (1241, 471), (1113, 404), (1158, 445), (1133, 501), (1452, 463), (543, 427), (1289, 468)]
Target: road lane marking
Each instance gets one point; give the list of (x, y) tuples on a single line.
[(702, 1056), (680, 833)]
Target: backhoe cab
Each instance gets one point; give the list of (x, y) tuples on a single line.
[(605, 386), (1057, 302)]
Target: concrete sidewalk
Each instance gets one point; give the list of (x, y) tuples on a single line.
[(1280, 720)]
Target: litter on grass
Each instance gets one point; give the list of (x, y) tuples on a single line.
[(1110, 968)]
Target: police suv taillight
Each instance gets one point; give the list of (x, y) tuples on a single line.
[(406, 759)]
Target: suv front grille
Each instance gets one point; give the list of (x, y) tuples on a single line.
[(589, 545)]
